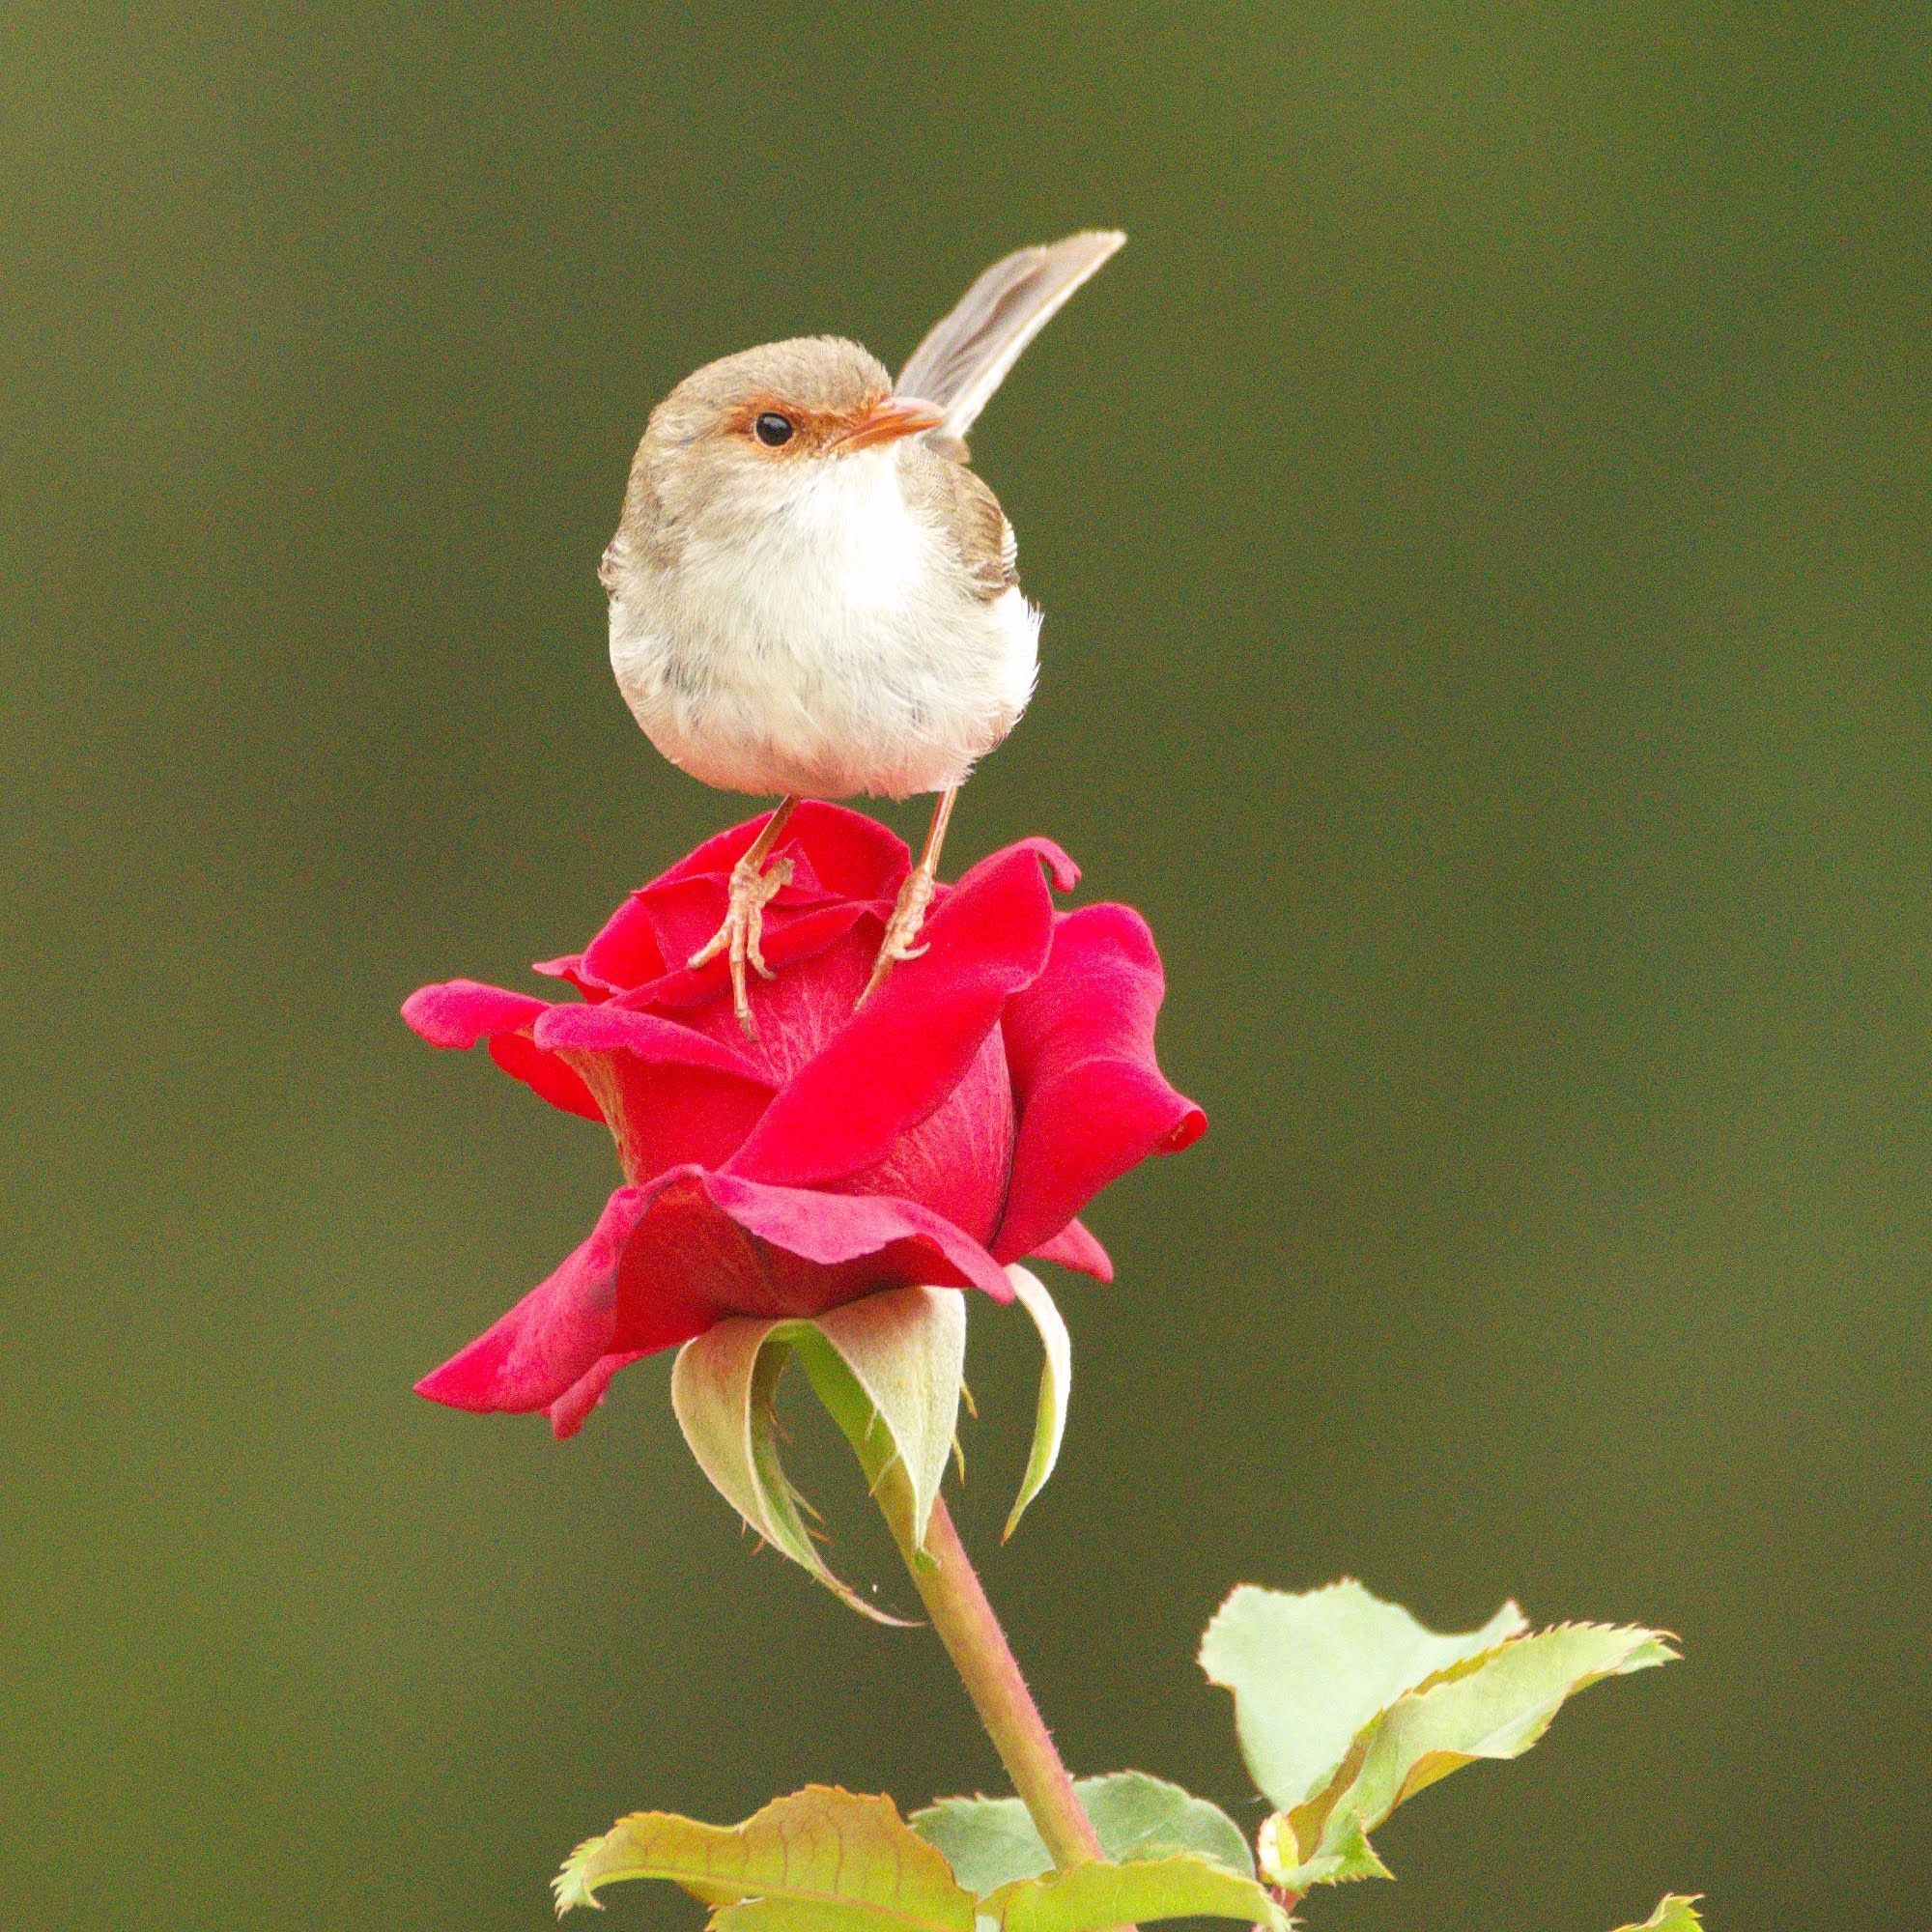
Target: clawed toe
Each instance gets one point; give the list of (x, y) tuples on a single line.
[(741, 937), (901, 929)]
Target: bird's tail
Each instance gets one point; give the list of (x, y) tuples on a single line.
[(966, 354)]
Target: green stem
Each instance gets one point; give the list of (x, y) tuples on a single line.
[(971, 1632)]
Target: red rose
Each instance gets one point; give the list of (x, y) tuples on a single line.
[(958, 1120)]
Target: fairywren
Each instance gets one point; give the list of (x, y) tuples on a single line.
[(811, 593)]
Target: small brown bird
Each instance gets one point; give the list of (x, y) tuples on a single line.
[(813, 594)]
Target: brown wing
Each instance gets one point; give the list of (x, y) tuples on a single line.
[(977, 530)]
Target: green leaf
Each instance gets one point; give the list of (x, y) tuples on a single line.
[(1092, 1897), (1056, 1379), (820, 1861), (991, 1841), (1346, 1707), (1675, 1914), (1309, 1670), (888, 1368)]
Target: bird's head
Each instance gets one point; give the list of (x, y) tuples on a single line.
[(744, 436)]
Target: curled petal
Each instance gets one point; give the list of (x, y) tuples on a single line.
[(568, 1412), (1060, 868), (1092, 1098), (1075, 1247), (625, 954), (613, 1028), (459, 1013)]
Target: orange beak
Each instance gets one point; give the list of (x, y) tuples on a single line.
[(888, 419)]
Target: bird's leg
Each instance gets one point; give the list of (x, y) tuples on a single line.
[(914, 896), (752, 888)]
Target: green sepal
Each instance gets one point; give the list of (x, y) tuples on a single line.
[(820, 1861), (1056, 1379), (888, 1369), (1097, 1895), (992, 1841), (1346, 1707), (723, 1389)]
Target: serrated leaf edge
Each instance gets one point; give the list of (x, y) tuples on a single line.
[(1342, 1851), (571, 1889)]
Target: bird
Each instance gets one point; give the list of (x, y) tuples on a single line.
[(814, 595)]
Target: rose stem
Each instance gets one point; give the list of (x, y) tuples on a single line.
[(973, 1638)]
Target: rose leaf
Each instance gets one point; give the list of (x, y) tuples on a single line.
[(1346, 1706), (1098, 1895), (1676, 1914), (820, 1861), (991, 1841), (1309, 1671)]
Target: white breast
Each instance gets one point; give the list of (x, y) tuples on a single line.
[(829, 647)]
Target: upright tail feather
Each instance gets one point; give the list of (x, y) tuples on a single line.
[(966, 354)]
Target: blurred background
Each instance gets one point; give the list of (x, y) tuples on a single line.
[(1483, 527)]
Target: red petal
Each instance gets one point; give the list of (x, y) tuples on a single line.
[(567, 1413), (1074, 1247), (1060, 868), (693, 1248), (616, 1028), (671, 1095), (462, 1012), (625, 954), (837, 853), (701, 997), (836, 856), (715, 1246), (459, 1013), (854, 857), (908, 1047), (545, 1075), (555, 1336), (1092, 1098)]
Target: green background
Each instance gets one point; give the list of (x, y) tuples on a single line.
[(1483, 527)]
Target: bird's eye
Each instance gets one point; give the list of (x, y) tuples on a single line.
[(772, 428)]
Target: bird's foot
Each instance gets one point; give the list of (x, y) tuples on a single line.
[(752, 888), (901, 929)]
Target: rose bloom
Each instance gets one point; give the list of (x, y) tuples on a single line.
[(958, 1120)]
